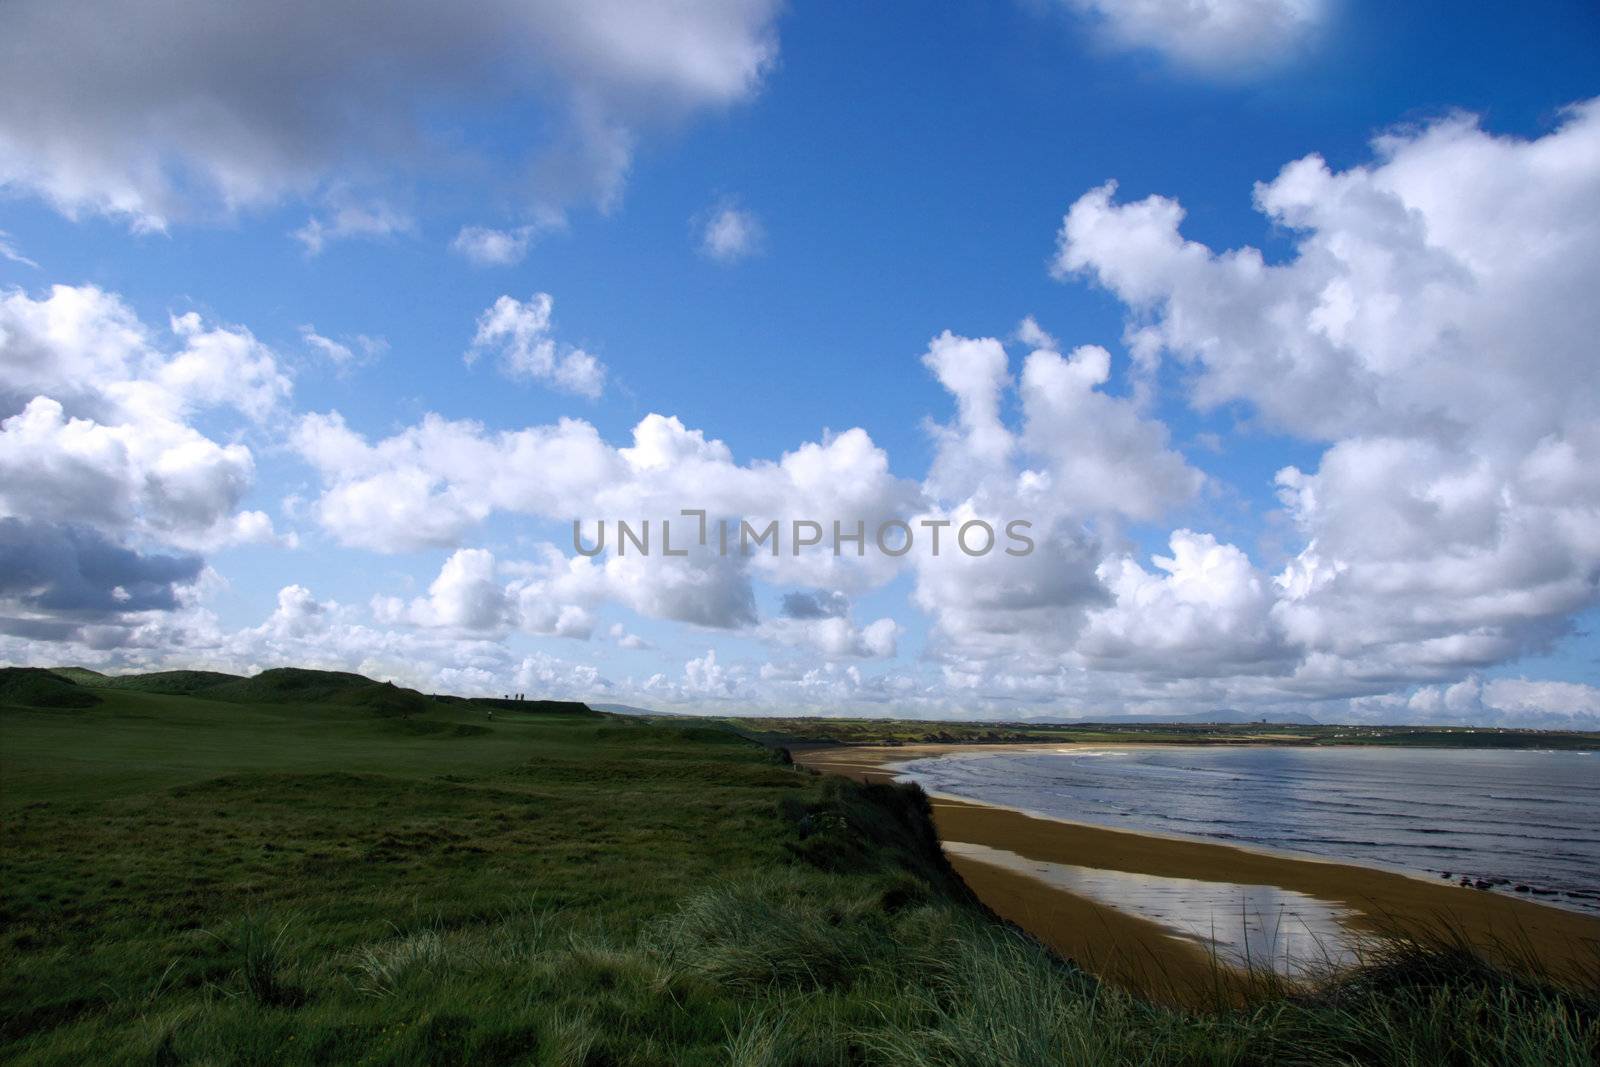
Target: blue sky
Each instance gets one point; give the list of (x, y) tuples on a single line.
[(903, 175)]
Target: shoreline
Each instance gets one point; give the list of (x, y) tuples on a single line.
[(1146, 955)]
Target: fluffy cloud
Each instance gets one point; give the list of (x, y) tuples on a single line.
[(103, 474), (486, 246), (705, 675), (1082, 462), (1023, 611), (97, 431), (1080, 450), (71, 582), (373, 219), (703, 589), (631, 641), (1227, 38), (1520, 699), (431, 484), (519, 333), (974, 372), (221, 367), (1515, 701), (1424, 288), (820, 621), (1209, 613), (816, 605), (87, 349), (731, 234), (557, 595), (1433, 328), (162, 112), (1100, 453), (465, 596), (426, 486), (836, 638), (163, 479)]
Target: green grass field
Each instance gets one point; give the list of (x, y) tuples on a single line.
[(304, 868)]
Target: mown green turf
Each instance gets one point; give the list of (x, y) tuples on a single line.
[(200, 880)]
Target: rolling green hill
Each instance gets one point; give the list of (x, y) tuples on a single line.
[(36, 688), (81, 675), (175, 683), (283, 685), (280, 685)]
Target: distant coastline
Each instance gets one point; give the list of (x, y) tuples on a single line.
[(798, 733)]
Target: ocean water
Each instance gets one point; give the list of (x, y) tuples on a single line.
[(1508, 817)]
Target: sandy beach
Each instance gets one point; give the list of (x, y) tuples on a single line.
[(1147, 955)]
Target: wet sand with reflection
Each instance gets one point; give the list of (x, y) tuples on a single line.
[(1250, 927)]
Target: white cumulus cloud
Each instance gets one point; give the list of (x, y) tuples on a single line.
[(486, 246), (1433, 329), (97, 412), (108, 490), (518, 332), (1227, 38), (730, 234), (179, 110)]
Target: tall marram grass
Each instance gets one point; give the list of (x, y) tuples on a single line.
[(937, 986), (791, 969)]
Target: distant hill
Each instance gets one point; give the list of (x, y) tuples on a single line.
[(172, 683), (1232, 715), (648, 713), (526, 707), (385, 698), (291, 685), (81, 675), (76, 686), (282, 685), (34, 687), (1219, 716)]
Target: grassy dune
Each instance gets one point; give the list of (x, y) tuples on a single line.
[(301, 869)]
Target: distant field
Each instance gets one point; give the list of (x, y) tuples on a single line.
[(304, 868), (911, 731)]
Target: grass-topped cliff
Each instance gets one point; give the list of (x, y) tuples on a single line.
[(303, 867)]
